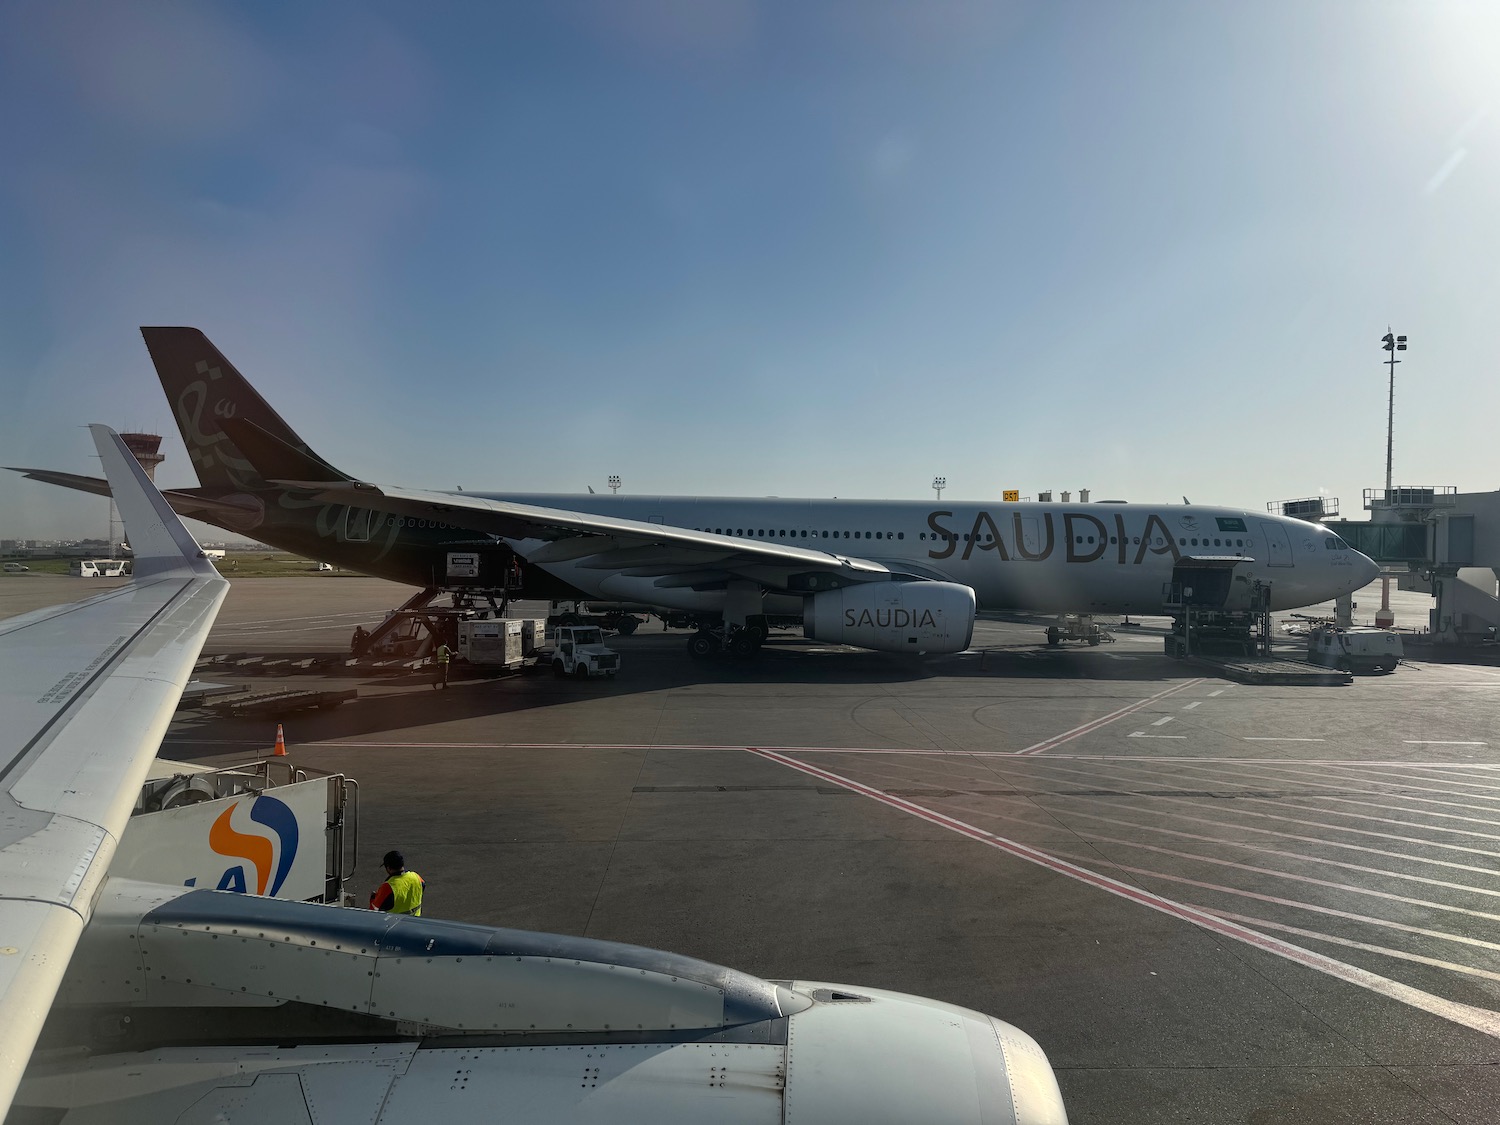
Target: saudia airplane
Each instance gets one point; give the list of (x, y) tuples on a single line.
[(154, 1002), (894, 576)]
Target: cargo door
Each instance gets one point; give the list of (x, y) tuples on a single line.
[(357, 525), (1278, 545)]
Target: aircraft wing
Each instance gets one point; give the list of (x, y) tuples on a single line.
[(86, 693), (672, 555)]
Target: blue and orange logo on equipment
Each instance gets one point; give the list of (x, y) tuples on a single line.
[(270, 855)]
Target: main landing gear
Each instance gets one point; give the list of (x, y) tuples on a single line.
[(741, 641)]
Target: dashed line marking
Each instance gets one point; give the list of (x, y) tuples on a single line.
[(1269, 738), (1163, 721), (1087, 728), (1214, 693), (1436, 742), (1194, 703)]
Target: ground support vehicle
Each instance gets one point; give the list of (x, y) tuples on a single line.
[(623, 619), (1077, 627), (272, 704), (1358, 648), (504, 644), (580, 651)]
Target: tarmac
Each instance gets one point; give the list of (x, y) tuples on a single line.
[(1209, 902)]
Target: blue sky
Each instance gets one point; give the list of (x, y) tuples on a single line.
[(719, 246)]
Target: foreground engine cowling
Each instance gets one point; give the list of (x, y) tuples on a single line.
[(918, 617)]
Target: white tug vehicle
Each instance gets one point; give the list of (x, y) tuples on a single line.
[(1356, 648)]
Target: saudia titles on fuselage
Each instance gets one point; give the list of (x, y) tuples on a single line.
[(1155, 539), (890, 619)]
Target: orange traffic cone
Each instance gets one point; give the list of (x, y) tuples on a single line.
[(280, 751)]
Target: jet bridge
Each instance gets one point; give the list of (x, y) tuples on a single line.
[(1450, 539)]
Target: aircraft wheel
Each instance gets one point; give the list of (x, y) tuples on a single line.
[(702, 645), (743, 644), (1054, 635)]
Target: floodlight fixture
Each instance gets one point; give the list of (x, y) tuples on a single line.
[(614, 485), (938, 484), (1392, 344)]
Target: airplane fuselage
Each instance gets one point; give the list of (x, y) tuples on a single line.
[(1046, 558), (1042, 558)]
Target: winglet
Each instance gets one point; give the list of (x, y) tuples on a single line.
[(158, 538)]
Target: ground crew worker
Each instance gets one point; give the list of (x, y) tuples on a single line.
[(440, 667), (401, 893)]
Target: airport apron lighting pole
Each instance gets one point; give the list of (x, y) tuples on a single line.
[(1392, 344), (938, 484)]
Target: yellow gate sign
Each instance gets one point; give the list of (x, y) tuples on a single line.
[(1011, 495)]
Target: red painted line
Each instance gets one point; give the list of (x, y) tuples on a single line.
[(1103, 720), (1478, 1019)]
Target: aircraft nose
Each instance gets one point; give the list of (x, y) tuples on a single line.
[(1366, 570)]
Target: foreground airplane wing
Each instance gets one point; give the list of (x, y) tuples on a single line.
[(86, 693)]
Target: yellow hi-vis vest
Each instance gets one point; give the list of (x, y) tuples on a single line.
[(406, 893)]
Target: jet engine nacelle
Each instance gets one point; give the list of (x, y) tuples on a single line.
[(925, 617)]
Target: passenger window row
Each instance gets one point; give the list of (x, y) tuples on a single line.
[(762, 533)]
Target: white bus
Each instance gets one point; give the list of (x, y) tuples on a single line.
[(97, 568)]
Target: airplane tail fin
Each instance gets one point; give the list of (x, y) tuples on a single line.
[(217, 409)]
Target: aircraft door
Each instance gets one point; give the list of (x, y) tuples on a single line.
[(1031, 542), (357, 525), (1278, 546)]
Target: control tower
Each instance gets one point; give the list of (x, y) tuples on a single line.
[(145, 447)]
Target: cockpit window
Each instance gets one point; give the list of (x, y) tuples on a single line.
[(1334, 543)]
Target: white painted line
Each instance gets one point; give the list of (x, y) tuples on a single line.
[(1214, 693), (1222, 809), (1300, 769), (1194, 703), (1268, 738), (1163, 721), (1463, 1014), (1435, 742), (1401, 954), (1329, 884), (1316, 841), (1219, 841), (1085, 728), (1143, 734), (1297, 904)]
